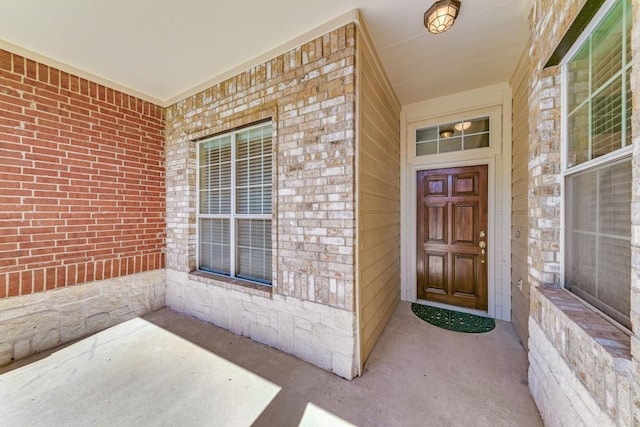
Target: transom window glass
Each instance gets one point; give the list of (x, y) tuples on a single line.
[(597, 172), (455, 136), (234, 204)]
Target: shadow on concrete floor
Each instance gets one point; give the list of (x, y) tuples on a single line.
[(171, 369)]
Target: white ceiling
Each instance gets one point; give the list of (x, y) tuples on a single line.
[(164, 48)]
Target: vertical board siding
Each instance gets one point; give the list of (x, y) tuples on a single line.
[(378, 184), (519, 199)]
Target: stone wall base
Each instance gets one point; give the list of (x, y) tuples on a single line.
[(561, 397), (319, 334), (33, 323)]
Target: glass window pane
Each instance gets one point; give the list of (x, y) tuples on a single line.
[(598, 253), (476, 141), (214, 245), (450, 128), (614, 275), (578, 136), (478, 126), (254, 171), (615, 200), (578, 78), (254, 249), (215, 176), (606, 120), (450, 144), (427, 134), (583, 201), (606, 48), (425, 148)]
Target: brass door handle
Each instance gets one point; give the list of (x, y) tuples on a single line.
[(482, 245)]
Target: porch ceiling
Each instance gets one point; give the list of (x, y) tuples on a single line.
[(164, 48)]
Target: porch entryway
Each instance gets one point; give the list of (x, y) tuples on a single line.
[(169, 369)]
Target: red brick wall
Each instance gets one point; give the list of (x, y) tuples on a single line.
[(82, 193)]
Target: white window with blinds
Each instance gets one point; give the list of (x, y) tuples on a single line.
[(597, 163), (234, 204)]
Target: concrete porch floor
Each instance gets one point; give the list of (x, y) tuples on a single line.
[(167, 369)]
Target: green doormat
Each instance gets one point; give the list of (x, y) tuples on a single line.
[(452, 320)]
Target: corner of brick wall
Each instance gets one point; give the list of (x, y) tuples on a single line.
[(81, 180)]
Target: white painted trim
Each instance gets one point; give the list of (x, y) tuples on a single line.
[(495, 102), (332, 24), (45, 60)]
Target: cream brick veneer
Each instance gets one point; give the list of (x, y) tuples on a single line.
[(309, 94), (581, 367), (41, 321)]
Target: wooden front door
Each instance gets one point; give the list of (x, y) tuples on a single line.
[(452, 236)]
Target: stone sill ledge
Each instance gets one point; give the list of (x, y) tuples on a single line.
[(239, 285), (613, 340)]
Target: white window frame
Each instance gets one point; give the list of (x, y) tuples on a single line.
[(233, 216), (593, 164)]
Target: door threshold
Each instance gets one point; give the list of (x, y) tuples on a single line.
[(453, 308)]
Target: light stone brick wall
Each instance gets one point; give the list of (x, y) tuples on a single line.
[(309, 95), (45, 320), (581, 369), (316, 333), (590, 363), (561, 397)]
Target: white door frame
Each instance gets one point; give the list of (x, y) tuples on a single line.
[(495, 102)]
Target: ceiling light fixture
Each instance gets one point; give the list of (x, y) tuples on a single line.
[(440, 16), (462, 125), (446, 133)]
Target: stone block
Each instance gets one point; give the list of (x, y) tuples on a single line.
[(98, 322), (45, 339), (27, 326), (22, 349), (6, 354), (72, 294), (72, 322), (343, 365)]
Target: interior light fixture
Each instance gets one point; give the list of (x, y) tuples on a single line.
[(462, 126), (440, 16), (446, 133)]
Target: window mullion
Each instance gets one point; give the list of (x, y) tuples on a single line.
[(590, 105), (232, 219)]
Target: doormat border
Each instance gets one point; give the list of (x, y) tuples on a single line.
[(453, 320)]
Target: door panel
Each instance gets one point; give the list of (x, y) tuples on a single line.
[(437, 220), (452, 214), (464, 223), (437, 272)]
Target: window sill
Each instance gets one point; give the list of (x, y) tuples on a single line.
[(230, 283), (613, 340)]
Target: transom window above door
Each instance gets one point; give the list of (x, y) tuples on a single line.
[(455, 136)]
